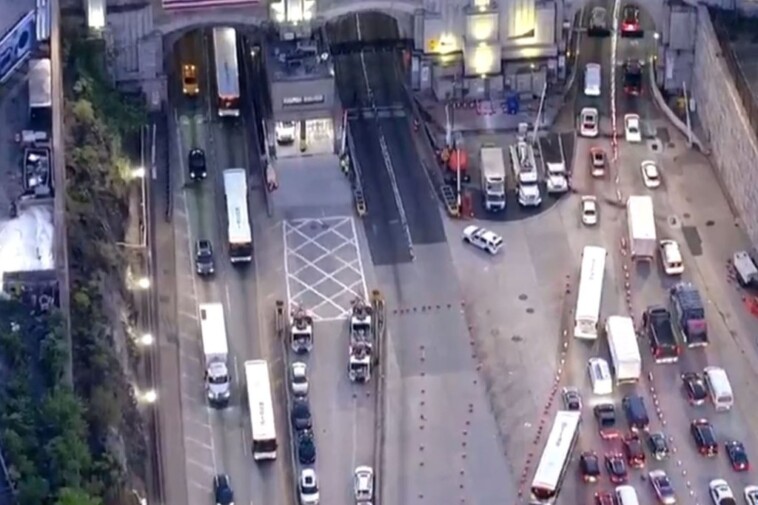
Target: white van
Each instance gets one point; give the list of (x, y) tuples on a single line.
[(626, 495), (592, 79), (719, 387), (600, 376)]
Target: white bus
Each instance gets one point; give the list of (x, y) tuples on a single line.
[(240, 233), (261, 407), (555, 457), (227, 71), (587, 316)]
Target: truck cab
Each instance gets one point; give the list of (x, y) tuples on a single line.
[(556, 178), (301, 332), (689, 314), (361, 349)]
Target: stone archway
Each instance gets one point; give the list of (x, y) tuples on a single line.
[(402, 11)]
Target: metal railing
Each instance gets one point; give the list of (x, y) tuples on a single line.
[(725, 23)]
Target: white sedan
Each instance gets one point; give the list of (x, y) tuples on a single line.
[(363, 485), (632, 131), (721, 493), (482, 238), (588, 122), (589, 210), (651, 176), (751, 495)]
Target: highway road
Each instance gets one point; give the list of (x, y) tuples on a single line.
[(687, 181), (442, 445), (520, 313), (217, 441)]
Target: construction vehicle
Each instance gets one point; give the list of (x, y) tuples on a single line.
[(525, 173), (453, 160), (361, 351), (301, 331)]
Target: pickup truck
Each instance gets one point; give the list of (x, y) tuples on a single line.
[(657, 322)]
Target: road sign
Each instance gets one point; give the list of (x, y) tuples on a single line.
[(17, 45)]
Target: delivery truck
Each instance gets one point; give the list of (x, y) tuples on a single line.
[(625, 353), (641, 223), (492, 168)]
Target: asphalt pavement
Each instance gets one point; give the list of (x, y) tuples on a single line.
[(313, 254), (218, 441)]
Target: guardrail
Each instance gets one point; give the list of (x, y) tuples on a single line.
[(380, 334), (280, 326), (354, 169)]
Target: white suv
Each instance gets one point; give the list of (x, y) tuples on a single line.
[(482, 238), (721, 493)]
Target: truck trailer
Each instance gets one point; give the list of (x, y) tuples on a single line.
[(641, 223), (625, 353), (218, 384), (689, 314), (493, 178)]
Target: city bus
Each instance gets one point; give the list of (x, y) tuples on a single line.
[(261, 407), (555, 457), (239, 231), (227, 71), (587, 315)]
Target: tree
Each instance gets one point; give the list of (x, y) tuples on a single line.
[(76, 496)]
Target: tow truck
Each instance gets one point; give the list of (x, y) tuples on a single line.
[(301, 331), (361, 350)]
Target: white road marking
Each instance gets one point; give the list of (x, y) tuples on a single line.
[(346, 243)]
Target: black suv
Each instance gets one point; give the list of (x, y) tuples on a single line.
[(636, 413), (694, 385), (658, 445), (222, 489), (605, 413), (205, 264), (301, 415), (705, 437), (589, 465), (306, 448), (196, 163)]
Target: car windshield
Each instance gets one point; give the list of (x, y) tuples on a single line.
[(617, 466), (197, 158)]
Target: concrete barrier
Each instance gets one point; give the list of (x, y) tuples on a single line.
[(670, 115)]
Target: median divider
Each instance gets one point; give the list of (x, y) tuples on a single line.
[(380, 334)]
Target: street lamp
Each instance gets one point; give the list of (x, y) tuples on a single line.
[(139, 173), (149, 396), (146, 339), (143, 283)]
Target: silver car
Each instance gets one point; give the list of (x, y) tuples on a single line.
[(299, 378), (662, 486)]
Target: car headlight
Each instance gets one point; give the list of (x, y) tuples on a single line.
[(211, 395)]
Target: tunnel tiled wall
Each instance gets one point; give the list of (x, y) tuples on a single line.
[(733, 143)]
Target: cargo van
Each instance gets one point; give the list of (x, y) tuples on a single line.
[(626, 495), (719, 388), (592, 79), (600, 376), (745, 269)]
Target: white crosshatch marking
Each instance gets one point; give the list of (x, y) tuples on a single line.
[(323, 267)]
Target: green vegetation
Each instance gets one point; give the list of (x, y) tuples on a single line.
[(80, 446)]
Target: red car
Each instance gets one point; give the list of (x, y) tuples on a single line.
[(604, 498), (635, 453), (630, 22)]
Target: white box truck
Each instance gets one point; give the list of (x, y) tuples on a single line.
[(218, 384), (641, 222), (492, 167), (625, 352)]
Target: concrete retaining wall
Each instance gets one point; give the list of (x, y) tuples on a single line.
[(733, 143)]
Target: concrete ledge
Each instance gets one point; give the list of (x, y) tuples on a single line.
[(661, 103)]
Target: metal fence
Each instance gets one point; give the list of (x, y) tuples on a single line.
[(726, 23)]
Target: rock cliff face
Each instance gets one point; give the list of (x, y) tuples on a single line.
[(732, 140)]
